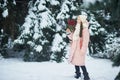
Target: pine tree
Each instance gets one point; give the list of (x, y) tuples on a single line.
[(69, 9), (37, 33), (110, 21), (115, 10), (62, 11), (11, 18), (104, 32), (97, 37)]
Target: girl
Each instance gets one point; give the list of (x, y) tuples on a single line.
[(79, 43)]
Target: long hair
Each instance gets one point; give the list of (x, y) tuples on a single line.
[(78, 31), (81, 28)]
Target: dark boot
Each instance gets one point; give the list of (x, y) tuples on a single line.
[(77, 73), (85, 73), (86, 76)]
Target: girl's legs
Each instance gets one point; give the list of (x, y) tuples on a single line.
[(77, 71), (85, 73)]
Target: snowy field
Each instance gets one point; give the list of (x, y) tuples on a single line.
[(16, 69)]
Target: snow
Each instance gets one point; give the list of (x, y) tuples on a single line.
[(18, 41), (54, 2), (5, 13), (16, 69), (9, 44), (46, 20), (38, 48), (58, 28), (14, 2), (2, 30), (27, 31), (64, 9), (31, 43), (41, 7), (5, 3), (36, 35), (56, 43), (73, 7)]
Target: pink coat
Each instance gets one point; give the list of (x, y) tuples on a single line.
[(79, 48)]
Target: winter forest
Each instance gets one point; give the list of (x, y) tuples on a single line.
[(33, 32)]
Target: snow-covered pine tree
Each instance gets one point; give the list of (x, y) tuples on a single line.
[(69, 9), (62, 10), (97, 37), (58, 48), (107, 14), (104, 32), (114, 49), (37, 32), (8, 20), (12, 14), (3, 8), (115, 11)]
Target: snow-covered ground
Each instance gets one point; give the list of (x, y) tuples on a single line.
[(16, 69)]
